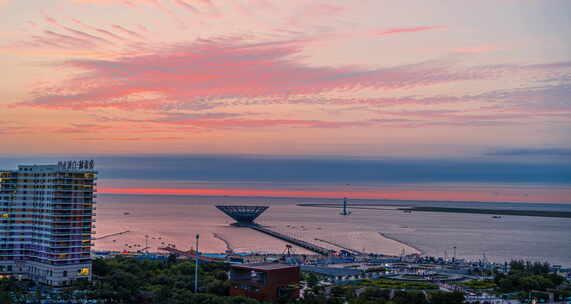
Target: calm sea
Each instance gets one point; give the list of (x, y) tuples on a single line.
[(159, 220)]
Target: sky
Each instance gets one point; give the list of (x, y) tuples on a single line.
[(471, 82)]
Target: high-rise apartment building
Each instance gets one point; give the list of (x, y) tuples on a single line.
[(46, 221)]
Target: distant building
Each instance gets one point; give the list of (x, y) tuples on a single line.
[(46, 218), (265, 282)]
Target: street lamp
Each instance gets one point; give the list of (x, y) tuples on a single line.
[(196, 266)]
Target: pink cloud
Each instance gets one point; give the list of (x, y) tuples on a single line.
[(312, 11), (96, 40), (86, 36), (101, 31), (142, 28), (219, 69), (224, 120), (479, 49), (67, 40), (186, 5), (229, 123), (165, 138), (15, 130), (110, 2), (411, 29), (51, 21), (397, 120), (128, 31)]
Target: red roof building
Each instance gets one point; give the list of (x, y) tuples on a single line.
[(265, 282)]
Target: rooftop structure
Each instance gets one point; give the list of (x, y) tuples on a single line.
[(263, 266), (243, 214), (46, 221), (266, 282)]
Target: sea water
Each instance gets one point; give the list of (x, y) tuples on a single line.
[(157, 221)]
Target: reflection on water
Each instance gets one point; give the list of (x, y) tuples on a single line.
[(158, 221)]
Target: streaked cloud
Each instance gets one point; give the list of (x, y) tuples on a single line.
[(228, 68), (410, 30), (332, 77), (109, 2), (169, 138), (479, 49)]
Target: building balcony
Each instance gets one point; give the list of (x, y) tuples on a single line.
[(62, 229)]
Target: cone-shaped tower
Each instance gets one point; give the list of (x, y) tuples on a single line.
[(243, 214)]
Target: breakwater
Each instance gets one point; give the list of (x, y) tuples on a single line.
[(538, 213)]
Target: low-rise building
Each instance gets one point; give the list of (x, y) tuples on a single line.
[(265, 282)]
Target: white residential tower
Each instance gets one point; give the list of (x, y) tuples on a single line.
[(46, 221)]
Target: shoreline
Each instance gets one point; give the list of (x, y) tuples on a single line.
[(420, 251), (224, 240), (227, 243)]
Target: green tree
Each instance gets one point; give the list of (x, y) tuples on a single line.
[(441, 297), (5, 298), (410, 297), (311, 280), (375, 294)]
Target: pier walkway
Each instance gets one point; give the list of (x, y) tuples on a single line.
[(291, 240), (357, 252)]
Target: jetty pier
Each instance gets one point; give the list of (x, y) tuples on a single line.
[(244, 216)]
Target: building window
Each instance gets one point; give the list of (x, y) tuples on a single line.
[(83, 272)]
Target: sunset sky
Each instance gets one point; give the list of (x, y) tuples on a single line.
[(461, 80)]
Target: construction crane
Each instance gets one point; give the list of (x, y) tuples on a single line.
[(288, 251)]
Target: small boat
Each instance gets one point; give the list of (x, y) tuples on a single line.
[(126, 213), (496, 216)]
